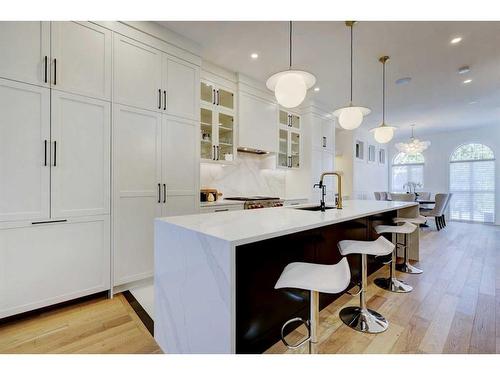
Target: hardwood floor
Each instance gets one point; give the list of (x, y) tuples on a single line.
[(454, 307), (96, 326)]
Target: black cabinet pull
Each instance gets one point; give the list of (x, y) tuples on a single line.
[(55, 153), (324, 141), (213, 154), (289, 162), (159, 98), (218, 97), (55, 72), (49, 222), (222, 210), (213, 96), (159, 193), (45, 70), (45, 153), (218, 152), (164, 100), (164, 193)]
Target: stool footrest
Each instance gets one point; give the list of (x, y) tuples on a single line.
[(307, 323)]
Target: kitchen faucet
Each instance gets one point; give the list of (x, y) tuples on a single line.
[(322, 186)]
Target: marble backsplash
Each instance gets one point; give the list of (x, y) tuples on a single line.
[(249, 175)]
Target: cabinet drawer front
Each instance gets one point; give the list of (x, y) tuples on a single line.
[(24, 164), (83, 53), (46, 264)]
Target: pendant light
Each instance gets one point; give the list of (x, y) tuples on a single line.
[(413, 146), (290, 86), (383, 133), (351, 117)]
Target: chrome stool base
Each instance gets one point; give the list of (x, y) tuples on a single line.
[(408, 268), (363, 320), (393, 285)]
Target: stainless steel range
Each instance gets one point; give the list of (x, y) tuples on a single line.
[(257, 201)]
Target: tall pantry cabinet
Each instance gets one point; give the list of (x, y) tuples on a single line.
[(95, 128)]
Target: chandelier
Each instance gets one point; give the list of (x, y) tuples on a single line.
[(413, 146)]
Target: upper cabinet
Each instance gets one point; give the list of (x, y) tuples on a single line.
[(217, 123), (289, 140), (25, 50), (323, 133), (147, 78), (81, 59)]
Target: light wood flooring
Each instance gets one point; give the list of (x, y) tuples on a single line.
[(454, 307), (96, 326)]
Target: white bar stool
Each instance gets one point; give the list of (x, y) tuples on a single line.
[(360, 317), (391, 283), (406, 267), (317, 278)]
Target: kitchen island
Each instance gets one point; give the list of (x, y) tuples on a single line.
[(215, 273)]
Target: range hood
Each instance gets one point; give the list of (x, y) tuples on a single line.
[(252, 151)]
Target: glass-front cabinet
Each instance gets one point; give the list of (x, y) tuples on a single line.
[(217, 123), (289, 140)]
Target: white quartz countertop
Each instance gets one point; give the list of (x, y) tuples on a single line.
[(246, 226), (221, 202)]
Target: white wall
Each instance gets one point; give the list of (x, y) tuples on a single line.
[(344, 159), (436, 169)]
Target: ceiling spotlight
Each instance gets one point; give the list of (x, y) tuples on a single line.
[(456, 40), (403, 81), (254, 56), (468, 81), (464, 69), (316, 89)]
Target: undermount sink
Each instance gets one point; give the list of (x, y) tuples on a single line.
[(313, 208)]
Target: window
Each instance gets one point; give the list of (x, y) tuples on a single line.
[(407, 168), (360, 150), (371, 153), (472, 182), (381, 156)]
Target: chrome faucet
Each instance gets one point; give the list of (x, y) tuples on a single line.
[(322, 186)]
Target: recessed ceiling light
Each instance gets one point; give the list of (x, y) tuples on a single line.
[(468, 81), (456, 40), (403, 81), (464, 69), (254, 56), (316, 89)]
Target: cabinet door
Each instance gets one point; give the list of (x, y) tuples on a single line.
[(83, 54), (225, 99), (208, 135), (180, 80), (283, 160), (80, 156), (180, 166), (137, 188), (225, 136), (207, 93), (51, 263), (24, 151), (136, 74), (294, 150), (328, 140), (24, 46), (294, 121)]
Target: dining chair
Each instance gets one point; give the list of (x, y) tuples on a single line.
[(403, 197), (424, 195), (378, 195), (438, 210), (446, 207)]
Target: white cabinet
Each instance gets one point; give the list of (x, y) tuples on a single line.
[(81, 161), (25, 50), (156, 174), (81, 58), (147, 78), (217, 123), (24, 151), (257, 123), (49, 263), (289, 140), (136, 74), (221, 208)]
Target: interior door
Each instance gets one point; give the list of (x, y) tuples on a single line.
[(24, 151), (80, 157), (137, 190), (83, 54), (25, 46), (180, 80), (180, 171), (137, 74)]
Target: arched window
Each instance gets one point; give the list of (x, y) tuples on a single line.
[(472, 183), (407, 169)]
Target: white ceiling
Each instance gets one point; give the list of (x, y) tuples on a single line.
[(435, 99)]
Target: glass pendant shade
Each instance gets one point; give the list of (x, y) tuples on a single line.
[(413, 146), (383, 133)]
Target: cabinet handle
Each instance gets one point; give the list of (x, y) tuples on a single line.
[(164, 100), (159, 193), (55, 72), (218, 97), (213, 154), (45, 153), (45, 69), (324, 141), (289, 162), (55, 153), (49, 222), (222, 210), (164, 193), (159, 98), (213, 96)]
